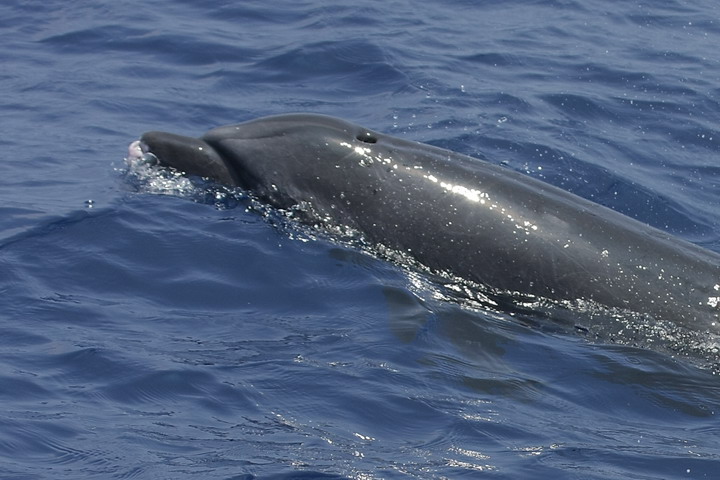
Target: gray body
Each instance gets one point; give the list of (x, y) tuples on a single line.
[(458, 214)]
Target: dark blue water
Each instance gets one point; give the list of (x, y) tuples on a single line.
[(154, 329)]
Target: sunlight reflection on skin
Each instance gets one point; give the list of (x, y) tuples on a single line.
[(470, 194)]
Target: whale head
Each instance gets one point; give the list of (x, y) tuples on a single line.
[(276, 157)]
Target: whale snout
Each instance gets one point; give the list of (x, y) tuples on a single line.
[(190, 155), (170, 149)]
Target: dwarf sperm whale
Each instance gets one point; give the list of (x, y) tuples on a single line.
[(457, 214)]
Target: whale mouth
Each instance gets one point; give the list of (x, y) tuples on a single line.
[(139, 153)]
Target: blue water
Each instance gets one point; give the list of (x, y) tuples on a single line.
[(158, 330)]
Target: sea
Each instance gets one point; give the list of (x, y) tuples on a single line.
[(155, 327)]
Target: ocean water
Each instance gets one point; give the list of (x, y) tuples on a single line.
[(154, 328)]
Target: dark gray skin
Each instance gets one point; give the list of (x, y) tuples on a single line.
[(458, 214)]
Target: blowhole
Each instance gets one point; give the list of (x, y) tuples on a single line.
[(367, 137)]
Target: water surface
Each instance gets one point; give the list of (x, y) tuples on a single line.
[(158, 331)]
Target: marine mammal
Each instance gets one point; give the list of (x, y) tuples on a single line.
[(455, 213)]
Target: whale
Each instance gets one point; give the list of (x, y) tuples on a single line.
[(455, 214)]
